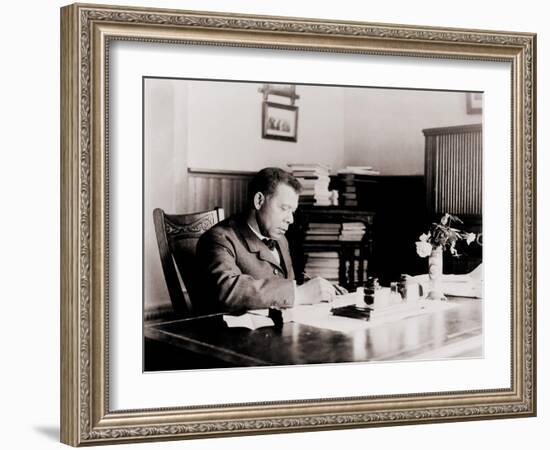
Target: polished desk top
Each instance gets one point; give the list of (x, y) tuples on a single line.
[(455, 332)]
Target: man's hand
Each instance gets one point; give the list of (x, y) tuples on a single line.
[(314, 291), (340, 290)]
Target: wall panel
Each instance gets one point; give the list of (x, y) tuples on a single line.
[(454, 167), (210, 188)]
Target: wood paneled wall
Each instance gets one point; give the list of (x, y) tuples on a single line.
[(210, 188), (453, 170)]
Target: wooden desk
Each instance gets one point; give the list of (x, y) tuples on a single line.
[(455, 332)]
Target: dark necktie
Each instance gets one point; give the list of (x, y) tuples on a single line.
[(270, 243)]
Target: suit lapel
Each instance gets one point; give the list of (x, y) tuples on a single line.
[(266, 255), (254, 245), (285, 255)]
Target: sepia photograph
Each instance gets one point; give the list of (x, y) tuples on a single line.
[(298, 224), (278, 224)]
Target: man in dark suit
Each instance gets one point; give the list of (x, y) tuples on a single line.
[(245, 259)]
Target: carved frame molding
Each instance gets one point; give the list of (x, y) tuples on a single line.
[(86, 33)]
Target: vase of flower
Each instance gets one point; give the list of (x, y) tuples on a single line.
[(435, 273), (441, 236)]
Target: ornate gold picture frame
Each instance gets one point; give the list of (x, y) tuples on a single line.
[(87, 34)]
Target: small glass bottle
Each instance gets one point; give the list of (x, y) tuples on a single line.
[(402, 286), (369, 292), (409, 290)]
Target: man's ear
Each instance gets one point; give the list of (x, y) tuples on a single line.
[(259, 200)]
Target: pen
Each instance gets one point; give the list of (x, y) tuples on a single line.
[(339, 289)]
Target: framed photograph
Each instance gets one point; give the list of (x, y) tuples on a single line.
[(279, 122), (474, 102), (160, 145)]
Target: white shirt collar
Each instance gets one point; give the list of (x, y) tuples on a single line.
[(260, 236), (273, 251)]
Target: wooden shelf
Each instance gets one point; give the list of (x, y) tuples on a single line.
[(354, 256)]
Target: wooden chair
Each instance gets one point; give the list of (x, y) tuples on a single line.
[(177, 236)]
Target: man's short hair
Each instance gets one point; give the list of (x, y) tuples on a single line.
[(267, 180)]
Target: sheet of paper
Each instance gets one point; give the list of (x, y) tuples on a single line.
[(319, 315), (467, 285), (393, 313), (248, 320)]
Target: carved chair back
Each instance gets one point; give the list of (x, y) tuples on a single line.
[(177, 237)]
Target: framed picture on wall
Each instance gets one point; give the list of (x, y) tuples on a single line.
[(109, 57), (279, 121), (474, 102)]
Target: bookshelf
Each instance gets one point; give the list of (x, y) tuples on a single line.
[(319, 247)]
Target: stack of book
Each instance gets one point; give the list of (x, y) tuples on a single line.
[(314, 179), (358, 170), (352, 231), (323, 232), (323, 264), (347, 182), (348, 191)]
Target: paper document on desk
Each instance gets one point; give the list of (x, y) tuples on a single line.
[(467, 285), (248, 320), (319, 315), (301, 311), (404, 310)]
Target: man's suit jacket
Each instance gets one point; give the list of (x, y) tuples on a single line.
[(239, 272)]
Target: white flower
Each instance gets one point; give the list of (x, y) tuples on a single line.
[(453, 249), (423, 248), (424, 237), (470, 237)]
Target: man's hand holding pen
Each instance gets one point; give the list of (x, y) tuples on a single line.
[(339, 289), (315, 290)]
